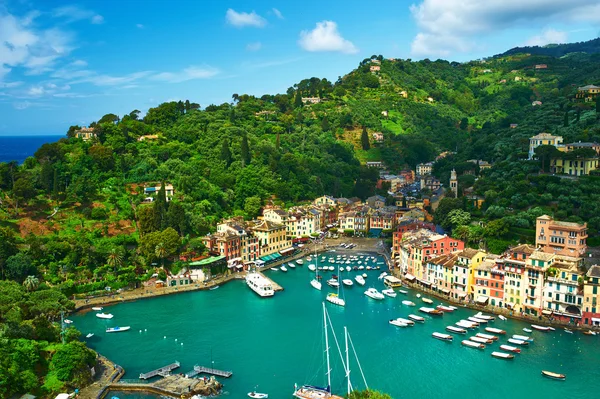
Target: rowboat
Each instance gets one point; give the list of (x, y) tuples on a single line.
[(427, 300), (445, 308), (540, 328), (509, 348), (408, 303), (480, 340), (117, 329), (405, 321), (487, 336), (527, 330), (431, 311), (555, 376), (495, 330), (472, 344), (502, 355), (442, 337), (456, 330), (258, 395), (568, 331), (517, 342), (416, 318), (523, 338), (397, 323)]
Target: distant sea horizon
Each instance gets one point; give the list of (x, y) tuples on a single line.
[(18, 148)]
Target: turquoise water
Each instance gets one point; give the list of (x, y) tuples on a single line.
[(276, 342)]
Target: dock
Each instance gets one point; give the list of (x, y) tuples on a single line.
[(276, 287), (163, 371), (207, 370)]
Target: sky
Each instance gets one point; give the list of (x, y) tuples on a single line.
[(68, 63)]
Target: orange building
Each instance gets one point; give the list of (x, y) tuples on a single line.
[(561, 238)]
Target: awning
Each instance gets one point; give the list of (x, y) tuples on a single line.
[(546, 312), (409, 277), (287, 251), (240, 266), (595, 320), (462, 294), (445, 291), (482, 299), (427, 283), (434, 287)]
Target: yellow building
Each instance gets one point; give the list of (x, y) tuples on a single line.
[(272, 237), (543, 139), (464, 279), (587, 93), (574, 167), (591, 297)]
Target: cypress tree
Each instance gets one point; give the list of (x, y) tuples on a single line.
[(298, 99), (325, 124), (364, 139), (277, 141), (226, 152), (245, 150), (598, 104), (566, 120), (160, 209), (578, 114)]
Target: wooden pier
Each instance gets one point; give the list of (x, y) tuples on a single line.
[(207, 370), (163, 371), (276, 287)]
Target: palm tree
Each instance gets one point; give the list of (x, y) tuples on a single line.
[(161, 252), (115, 258), (31, 283)]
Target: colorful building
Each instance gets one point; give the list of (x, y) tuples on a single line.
[(562, 238), (543, 139), (591, 297), (272, 237), (563, 292)]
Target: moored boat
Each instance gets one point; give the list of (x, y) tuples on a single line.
[(333, 283), (487, 336), (588, 332), (90, 335), (312, 267), (431, 311), (445, 308), (398, 323), (416, 318), (97, 308), (528, 330), (67, 321), (283, 268), (405, 321), (316, 284), (374, 294), (456, 330), (502, 355), (495, 330), (472, 344), (275, 269), (517, 342), (300, 261), (502, 317), (442, 337), (478, 320), (480, 340), (335, 299), (568, 331), (540, 328), (291, 265), (389, 292), (509, 348), (117, 329), (466, 324), (522, 337), (104, 315), (360, 280), (408, 303), (259, 284), (347, 282), (555, 376), (473, 320), (403, 292), (484, 317), (427, 300)]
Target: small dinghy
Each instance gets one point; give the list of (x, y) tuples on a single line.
[(588, 332), (502, 317), (389, 292), (568, 331), (403, 292), (418, 295), (554, 376), (283, 269), (216, 287), (364, 275), (257, 395), (291, 265), (502, 355), (90, 335)]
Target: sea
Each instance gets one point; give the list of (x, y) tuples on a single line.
[(18, 148), (270, 344)]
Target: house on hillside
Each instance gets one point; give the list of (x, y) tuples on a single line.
[(85, 133), (148, 137), (543, 139), (378, 137), (375, 68), (403, 94), (536, 103), (311, 100), (375, 164), (151, 191), (587, 93), (541, 66)]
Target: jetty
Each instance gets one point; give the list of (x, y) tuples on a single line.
[(163, 371), (276, 287), (208, 370)]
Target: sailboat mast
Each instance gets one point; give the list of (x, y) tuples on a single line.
[(326, 347), (347, 361)]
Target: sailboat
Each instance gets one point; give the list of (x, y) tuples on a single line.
[(335, 298), (315, 392), (316, 284)]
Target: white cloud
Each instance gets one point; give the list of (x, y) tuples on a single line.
[(549, 36), (448, 26), (22, 105), (139, 26), (74, 13), (278, 13), (189, 73), (79, 63), (325, 37), (241, 19), (255, 46), (108, 80)]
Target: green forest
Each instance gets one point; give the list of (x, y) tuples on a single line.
[(73, 220)]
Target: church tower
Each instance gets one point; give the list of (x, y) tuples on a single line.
[(454, 183)]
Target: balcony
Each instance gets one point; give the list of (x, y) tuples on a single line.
[(563, 281)]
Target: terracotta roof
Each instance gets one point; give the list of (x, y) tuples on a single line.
[(447, 260), (594, 271), (523, 248), (468, 252), (567, 224), (539, 255)]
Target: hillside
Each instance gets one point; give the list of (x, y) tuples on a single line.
[(557, 50)]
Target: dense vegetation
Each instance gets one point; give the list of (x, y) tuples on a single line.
[(73, 219), (558, 50)]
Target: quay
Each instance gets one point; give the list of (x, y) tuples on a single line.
[(276, 287), (207, 370), (163, 371)]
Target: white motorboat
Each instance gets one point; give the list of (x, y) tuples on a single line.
[(480, 340), (495, 330), (431, 311), (333, 283), (360, 280), (414, 317), (509, 348), (97, 308), (442, 337), (347, 282), (445, 308), (67, 321), (374, 294), (364, 275), (283, 269), (418, 295), (472, 344), (427, 300), (117, 329), (528, 330), (518, 342), (523, 338), (331, 268), (275, 269), (473, 320), (90, 335), (540, 328), (361, 268), (484, 317), (456, 330), (403, 292), (405, 321), (258, 395), (502, 317), (382, 275), (259, 284), (316, 284), (312, 267), (502, 355), (104, 315), (335, 299), (398, 323), (341, 268), (389, 292), (568, 331), (291, 265), (348, 268), (408, 303), (300, 261)]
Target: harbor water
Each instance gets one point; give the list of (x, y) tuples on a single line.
[(272, 343)]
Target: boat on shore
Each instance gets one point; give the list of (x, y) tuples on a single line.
[(408, 303), (431, 311), (456, 330), (398, 323), (259, 284), (487, 336), (522, 337), (554, 376), (414, 317), (502, 355), (540, 328), (480, 340), (509, 348), (442, 336), (517, 342), (447, 309), (495, 330), (374, 294), (117, 329), (427, 300), (471, 344), (104, 315), (389, 292)]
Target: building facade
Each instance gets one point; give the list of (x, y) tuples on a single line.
[(562, 238)]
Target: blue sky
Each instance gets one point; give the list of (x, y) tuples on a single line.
[(65, 63)]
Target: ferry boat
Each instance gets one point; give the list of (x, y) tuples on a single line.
[(495, 330), (389, 292), (117, 329), (540, 328), (104, 315), (442, 337), (259, 284), (416, 318), (509, 348), (456, 330), (487, 336), (431, 311), (555, 376), (374, 294), (392, 281), (472, 344), (502, 355)]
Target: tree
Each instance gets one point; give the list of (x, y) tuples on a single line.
[(245, 150), (160, 209), (71, 363), (23, 190), (566, 119), (364, 139), (597, 104), (226, 152), (464, 123), (252, 206), (145, 216), (298, 100), (19, 266), (161, 252), (325, 124), (496, 228), (8, 247), (545, 153), (458, 217), (115, 259), (31, 283), (176, 217)]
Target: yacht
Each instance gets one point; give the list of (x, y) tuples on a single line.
[(104, 315), (259, 284), (316, 284), (374, 294)]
